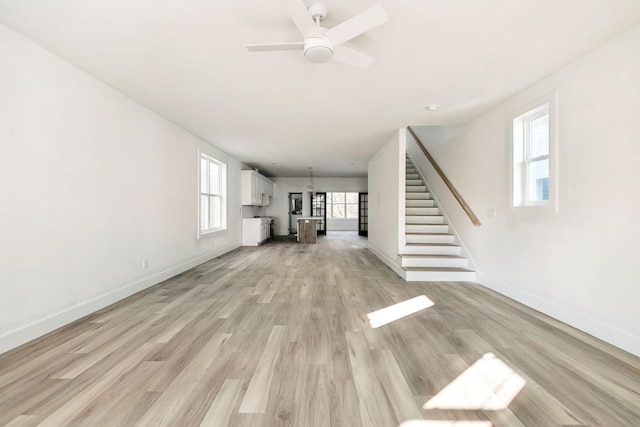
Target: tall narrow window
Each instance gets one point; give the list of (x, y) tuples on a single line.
[(533, 157), (213, 188)]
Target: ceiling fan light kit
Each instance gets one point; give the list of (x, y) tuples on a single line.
[(318, 49), (321, 44)]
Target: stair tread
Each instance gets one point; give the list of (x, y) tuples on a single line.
[(413, 233), (430, 244), (436, 214), (449, 269), (438, 256)]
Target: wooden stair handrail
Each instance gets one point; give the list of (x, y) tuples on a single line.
[(453, 190)]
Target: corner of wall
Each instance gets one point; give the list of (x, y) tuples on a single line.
[(384, 205)]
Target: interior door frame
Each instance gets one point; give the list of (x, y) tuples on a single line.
[(293, 230)]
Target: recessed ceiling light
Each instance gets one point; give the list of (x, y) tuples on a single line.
[(432, 107)]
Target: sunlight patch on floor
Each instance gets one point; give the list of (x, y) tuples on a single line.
[(488, 384), (398, 311), (444, 423)]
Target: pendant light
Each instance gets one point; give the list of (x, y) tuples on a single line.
[(310, 187)]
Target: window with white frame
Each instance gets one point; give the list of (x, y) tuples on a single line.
[(213, 189), (534, 175), (342, 205)]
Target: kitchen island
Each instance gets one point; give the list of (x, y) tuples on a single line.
[(308, 229)]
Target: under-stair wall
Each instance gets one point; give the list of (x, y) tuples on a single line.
[(386, 201)]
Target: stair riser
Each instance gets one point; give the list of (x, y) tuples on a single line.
[(427, 219), (432, 250), (416, 189), (427, 228), (435, 262), (410, 203), (410, 182), (440, 276), (421, 211), (430, 238), (411, 176), (417, 196)]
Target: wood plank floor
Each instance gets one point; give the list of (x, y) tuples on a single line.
[(278, 335)]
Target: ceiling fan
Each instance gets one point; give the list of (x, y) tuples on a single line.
[(321, 44)]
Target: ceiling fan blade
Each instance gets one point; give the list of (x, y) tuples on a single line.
[(357, 25), (275, 46), (353, 57), (301, 17)]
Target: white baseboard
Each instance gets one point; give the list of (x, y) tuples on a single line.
[(392, 264), (43, 326), (608, 333)]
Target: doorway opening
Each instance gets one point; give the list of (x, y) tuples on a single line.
[(295, 211)]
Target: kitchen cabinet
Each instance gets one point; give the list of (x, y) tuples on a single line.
[(255, 231), (257, 190)]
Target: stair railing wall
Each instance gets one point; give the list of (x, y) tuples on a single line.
[(444, 178)]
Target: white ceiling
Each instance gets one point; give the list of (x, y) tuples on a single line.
[(185, 59)]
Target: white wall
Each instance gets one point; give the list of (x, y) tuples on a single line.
[(91, 183), (578, 265), (279, 206), (386, 201)]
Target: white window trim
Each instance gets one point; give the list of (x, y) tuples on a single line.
[(345, 203), (519, 204), (223, 195)]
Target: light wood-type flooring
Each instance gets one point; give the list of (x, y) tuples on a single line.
[(279, 335)]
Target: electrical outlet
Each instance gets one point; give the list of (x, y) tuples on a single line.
[(145, 263)]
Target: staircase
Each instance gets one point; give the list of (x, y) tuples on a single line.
[(431, 252)]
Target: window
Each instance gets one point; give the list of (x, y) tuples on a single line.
[(342, 205), (534, 176), (213, 189)]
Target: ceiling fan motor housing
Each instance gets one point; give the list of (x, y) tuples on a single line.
[(318, 11), (318, 49)]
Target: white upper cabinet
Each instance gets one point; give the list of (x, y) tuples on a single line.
[(257, 190)]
